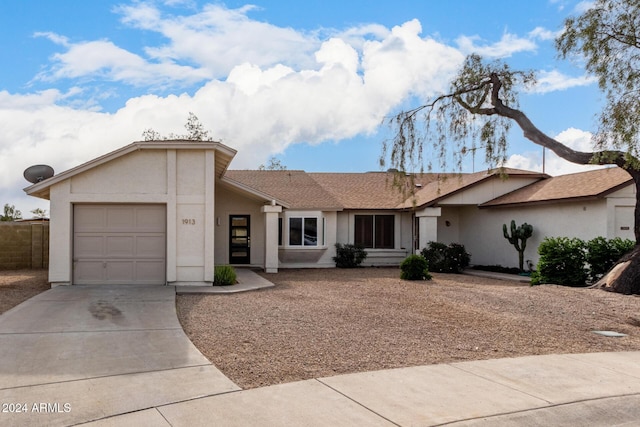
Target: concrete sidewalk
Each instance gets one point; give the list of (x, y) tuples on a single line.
[(600, 389)]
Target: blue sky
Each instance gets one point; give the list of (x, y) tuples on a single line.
[(308, 82)]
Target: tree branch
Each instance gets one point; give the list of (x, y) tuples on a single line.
[(532, 133)]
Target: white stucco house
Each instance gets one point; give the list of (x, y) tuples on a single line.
[(167, 212)]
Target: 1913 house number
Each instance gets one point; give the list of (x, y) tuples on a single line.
[(188, 221)]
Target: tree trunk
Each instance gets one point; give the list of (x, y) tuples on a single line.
[(624, 277)]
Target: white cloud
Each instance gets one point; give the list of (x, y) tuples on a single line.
[(505, 47), (105, 60), (218, 39), (543, 34), (553, 164), (345, 91), (260, 87), (550, 81)]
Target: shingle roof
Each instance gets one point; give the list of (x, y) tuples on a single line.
[(369, 190), (446, 185), (591, 184), (375, 190), (297, 188)]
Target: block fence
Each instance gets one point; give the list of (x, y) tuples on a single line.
[(24, 245)]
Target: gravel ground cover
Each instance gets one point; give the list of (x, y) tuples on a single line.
[(17, 286), (318, 323)]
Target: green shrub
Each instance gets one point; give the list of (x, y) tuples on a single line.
[(224, 275), (349, 256), (602, 254), (562, 262), (414, 267), (446, 259)]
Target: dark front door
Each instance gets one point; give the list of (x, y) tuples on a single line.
[(239, 239)]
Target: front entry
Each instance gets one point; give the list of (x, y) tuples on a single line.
[(239, 239)]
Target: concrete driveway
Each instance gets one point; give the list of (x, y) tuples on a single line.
[(82, 353)]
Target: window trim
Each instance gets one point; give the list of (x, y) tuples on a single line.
[(304, 216)]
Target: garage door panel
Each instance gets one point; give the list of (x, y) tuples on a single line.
[(119, 244), (90, 246), (89, 218), (150, 220), (88, 272), (120, 217), (150, 246), (120, 271), (150, 271), (120, 247)]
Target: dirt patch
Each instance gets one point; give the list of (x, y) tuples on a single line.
[(17, 286), (318, 323)]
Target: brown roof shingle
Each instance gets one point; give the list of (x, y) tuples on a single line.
[(369, 190), (446, 185), (294, 187), (375, 190), (591, 184)]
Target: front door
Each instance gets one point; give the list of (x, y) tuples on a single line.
[(239, 239)]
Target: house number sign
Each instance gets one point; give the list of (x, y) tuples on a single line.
[(188, 221)]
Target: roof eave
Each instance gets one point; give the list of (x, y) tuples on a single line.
[(588, 198), (260, 194)]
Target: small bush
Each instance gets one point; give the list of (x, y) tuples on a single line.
[(349, 256), (446, 259), (414, 267), (562, 262), (602, 254), (224, 275)]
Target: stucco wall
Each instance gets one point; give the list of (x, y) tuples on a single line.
[(231, 203), (486, 190), (481, 229), (183, 180)]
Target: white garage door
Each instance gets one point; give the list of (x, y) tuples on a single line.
[(119, 244)]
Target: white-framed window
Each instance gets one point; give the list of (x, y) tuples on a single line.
[(302, 229)]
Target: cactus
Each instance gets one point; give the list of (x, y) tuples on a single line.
[(518, 238)]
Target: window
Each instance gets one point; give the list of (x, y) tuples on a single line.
[(374, 231), (279, 231), (303, 231)]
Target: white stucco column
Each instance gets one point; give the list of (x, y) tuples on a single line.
[(209, 215), (271, 237), (428, 225)]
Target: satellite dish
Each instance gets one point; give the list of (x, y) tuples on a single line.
[(37, 173)]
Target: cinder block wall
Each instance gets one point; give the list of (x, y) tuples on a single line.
[(24, 246)]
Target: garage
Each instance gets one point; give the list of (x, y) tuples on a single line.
[(119, 244)]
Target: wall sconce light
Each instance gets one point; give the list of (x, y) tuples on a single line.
[(218, 221), (447, 223)]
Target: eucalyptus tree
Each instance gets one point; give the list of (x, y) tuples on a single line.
[(481, 105)]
